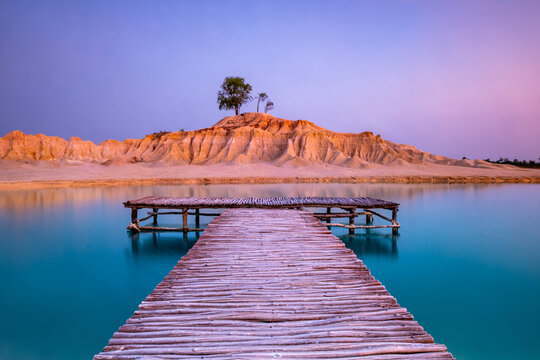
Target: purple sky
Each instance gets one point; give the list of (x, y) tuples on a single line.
[(457, 78)]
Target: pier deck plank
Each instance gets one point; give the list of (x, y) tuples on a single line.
[(258, 202), (266, 284)]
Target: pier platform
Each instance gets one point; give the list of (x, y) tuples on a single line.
[(267, 284), (350, 208)]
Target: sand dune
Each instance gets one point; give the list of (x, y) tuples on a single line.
[(244, 139), (250, 148)]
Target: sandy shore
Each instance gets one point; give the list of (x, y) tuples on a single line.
[(20, 176)]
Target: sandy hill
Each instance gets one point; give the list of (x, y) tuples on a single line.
[(243, 139)]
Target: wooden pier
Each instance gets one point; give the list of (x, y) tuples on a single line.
[(350, 208), (267, 284)]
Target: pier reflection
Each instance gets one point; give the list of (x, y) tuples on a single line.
[(372, 243), (157, 244)]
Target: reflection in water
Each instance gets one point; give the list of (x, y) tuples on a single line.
[(32, 199), (155, 244), (372, 243)]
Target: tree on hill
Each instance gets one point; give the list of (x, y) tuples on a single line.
[(261, 97), (269, 106), (234, 93)]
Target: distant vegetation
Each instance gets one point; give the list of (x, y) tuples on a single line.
[(261, 97), (516, 162), (159, 134), (235, 92), (269, 106)]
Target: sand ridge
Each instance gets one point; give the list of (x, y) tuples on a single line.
[(245, 139), (249, 148)]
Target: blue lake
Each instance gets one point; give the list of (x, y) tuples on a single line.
[(466, 263)]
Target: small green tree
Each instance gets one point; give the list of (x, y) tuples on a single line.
[(269, 106), (234, 93), (261, 97)]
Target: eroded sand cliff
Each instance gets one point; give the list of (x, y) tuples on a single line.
[(244, 139)]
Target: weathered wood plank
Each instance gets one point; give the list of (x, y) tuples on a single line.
[(266, 284), (259, 202)]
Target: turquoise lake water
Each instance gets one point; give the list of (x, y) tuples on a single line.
[(466, 263)]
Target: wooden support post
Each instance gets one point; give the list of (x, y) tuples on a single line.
[(394, 220), (351, 220), (197, 218), (134, 225), (155, 210), (328, 211), (134, 219), (184, 220), (369, 218)]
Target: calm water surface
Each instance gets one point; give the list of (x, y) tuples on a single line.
[(466, 263)]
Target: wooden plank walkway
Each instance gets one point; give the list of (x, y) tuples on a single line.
[(266, 284)]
